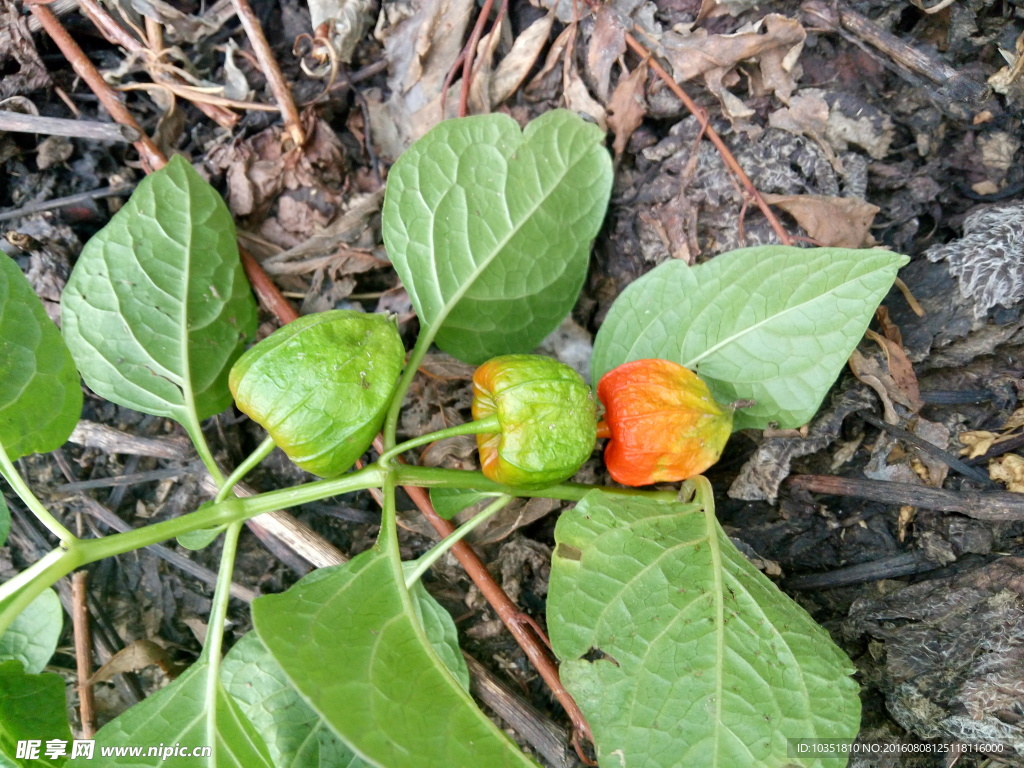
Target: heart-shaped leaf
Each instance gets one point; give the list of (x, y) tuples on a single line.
[(489, 227), (389, 695), (770, 324), (680, 652), (158, 306), (40, 395)]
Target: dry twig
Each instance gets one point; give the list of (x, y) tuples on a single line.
[(83, 653), (271, 70)]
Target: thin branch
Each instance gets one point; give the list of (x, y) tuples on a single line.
[(271, 70), (83, 652), (69, 200), (152, 157), (998, 506), (56, 126)]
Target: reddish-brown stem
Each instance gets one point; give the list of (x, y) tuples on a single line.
[(470, 50), (152, 157), (272, 71), (702, 117), (507, 611), (83, 652), (269, 295)]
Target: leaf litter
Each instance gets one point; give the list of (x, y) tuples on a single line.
[(851, 143)]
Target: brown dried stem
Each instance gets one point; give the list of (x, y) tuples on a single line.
[(152, 157), (118, 35), (272, 71), (83, 652), (702, 117)]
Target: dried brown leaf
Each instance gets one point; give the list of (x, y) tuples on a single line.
[(627, 107), (870, 371), (134, 658), (843, 222), (607, 43), (480, 87), (574, 91), (698, 52), (901, 370), (544, 84), (514, 68)]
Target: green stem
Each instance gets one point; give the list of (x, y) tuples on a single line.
[(215, 629), (483, 426), (9, 472), (262, 451), (423, 342), (195, 432), (45, 573), (433, 477), (369, 477), (374, 475), (430, 557)]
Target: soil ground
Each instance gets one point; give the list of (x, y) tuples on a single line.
[(870, 123)]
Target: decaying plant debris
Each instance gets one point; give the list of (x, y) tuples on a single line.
[(863, 124)]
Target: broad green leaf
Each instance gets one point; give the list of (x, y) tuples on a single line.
[(31, 707), (490, 227), (448, 502), (158, 307), (40, 395), (771, 324), (680, 652), (296, 736), (33, 635), (388, 694), (177, 715)]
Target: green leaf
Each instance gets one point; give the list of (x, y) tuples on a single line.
[(177, 715), (438, 628), (296, 736), (40, 395), (158, 306), (678, 650), (32, 637), (388, 694), (771, 324), (490, 227), (200, 538), (448, 502), (31, 707)]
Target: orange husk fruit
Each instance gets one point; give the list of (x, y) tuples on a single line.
[(663, 423)]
